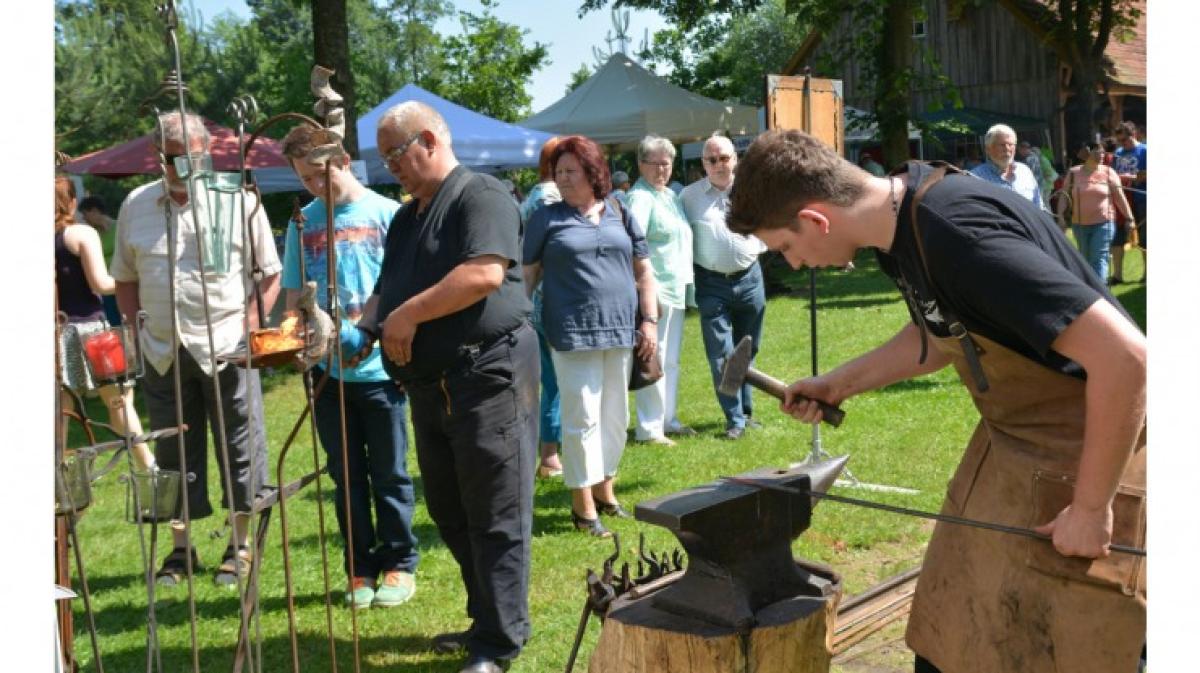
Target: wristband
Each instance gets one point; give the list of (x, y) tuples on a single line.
[(652, 320)]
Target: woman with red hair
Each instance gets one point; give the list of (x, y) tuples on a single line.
[(80, 276), (592, 255)]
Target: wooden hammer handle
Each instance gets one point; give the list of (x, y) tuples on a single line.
[(777, 389)]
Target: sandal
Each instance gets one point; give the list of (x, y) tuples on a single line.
[(592, 527), (174, 566), (613, 509), (233, 565), (548, 472)]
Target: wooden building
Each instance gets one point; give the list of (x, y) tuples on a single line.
[(1003, 67)]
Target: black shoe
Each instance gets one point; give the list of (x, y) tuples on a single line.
[(734, 433), (478, 664), (451, 642), (592, 527), (612, 509)]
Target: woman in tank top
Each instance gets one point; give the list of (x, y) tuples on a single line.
[(80, 277), (1096, 194)]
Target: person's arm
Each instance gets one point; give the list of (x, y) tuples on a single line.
[(465, 285), (532, 273), (895, 360), (647, 292), (1060, 210), (1113, 353), (128, 302), (269, 287), (86, 243), (1118, 196)]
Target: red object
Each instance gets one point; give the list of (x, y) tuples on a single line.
[(106, 354), (138, 157)]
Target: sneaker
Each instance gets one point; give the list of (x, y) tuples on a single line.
[(681, 431), (752, 424), (397, 587), (735, 433), (661, 440), (361, 593)]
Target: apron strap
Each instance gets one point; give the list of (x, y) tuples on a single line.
[(970, 349)]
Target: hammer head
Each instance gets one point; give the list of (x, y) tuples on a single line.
[(733, 374)]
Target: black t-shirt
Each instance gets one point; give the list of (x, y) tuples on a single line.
[(470, 216), (998, 263)]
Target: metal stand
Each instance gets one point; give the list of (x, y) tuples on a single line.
[(817, 453)]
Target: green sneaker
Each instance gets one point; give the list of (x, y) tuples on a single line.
[(361, 593), (397, 587)]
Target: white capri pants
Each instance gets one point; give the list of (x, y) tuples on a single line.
[(593, 388), (656, 402)]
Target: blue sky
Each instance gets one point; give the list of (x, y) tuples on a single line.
[(552, 22)]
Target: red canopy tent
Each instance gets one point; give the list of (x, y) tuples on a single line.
[(137, 157)]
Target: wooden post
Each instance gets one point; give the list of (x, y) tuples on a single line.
[(791, 636)]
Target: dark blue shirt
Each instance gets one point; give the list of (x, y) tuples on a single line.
[(589, 297)]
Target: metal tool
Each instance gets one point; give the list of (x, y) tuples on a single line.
[(945, 518), (737, 371), (738, 541)]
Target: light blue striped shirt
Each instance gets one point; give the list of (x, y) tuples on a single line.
[(715, 247), (1023, 182)]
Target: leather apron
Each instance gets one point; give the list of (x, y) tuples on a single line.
[(990, 602)]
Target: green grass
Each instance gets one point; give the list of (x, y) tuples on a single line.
[(910, 434)]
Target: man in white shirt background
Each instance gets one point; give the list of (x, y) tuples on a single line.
[(729, 284)]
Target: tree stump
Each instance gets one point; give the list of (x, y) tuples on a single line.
[(791, 636)]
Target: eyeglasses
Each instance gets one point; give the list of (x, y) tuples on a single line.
[(184, 164), (719, 159), (657, 164), (394, 155)]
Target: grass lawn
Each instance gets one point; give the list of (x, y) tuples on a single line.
[(909, 434)]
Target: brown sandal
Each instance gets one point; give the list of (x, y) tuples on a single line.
[(174, 566)]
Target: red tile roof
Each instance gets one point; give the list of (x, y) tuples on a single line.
[(1129, 58)]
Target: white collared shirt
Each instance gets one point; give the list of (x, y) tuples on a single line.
[(142, 253), (716, 248)]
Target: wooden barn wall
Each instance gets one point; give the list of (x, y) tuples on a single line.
[(995, 62)]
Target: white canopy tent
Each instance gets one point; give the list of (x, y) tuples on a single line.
[(623, 102)]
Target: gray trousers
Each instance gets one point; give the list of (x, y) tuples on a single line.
[(241, 404)]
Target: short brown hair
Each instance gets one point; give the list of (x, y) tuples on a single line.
[(545, 165), (303, 139), (590, 157), (1126, 128), (782, 173)]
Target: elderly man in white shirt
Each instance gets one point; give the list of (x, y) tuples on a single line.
[(728, 279), (156, 224), (1003, 169)]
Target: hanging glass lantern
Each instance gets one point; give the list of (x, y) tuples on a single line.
[(111, 355)]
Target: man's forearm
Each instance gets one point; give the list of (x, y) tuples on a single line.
[(465, 285), (128, 302), (895, 360)]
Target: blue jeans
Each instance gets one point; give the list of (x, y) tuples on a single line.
[(1093, 241), (376, 444), (731, 307), (550, 426)]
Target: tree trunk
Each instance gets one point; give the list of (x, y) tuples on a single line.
[(1081, 109), (892, 61), (331, 48)]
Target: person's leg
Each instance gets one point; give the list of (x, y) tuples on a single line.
[(327, 413), (1102, 241), (651, 400), (382, 412), (671, 342), (1085, 239), (580, 375), (748, 309), (550, 426), (493, 436), (1116, 252), (124, 419), (713, 297), (245, 443), (614, 410), (159, 396)]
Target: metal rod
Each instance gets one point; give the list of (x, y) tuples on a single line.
[(944, 518)]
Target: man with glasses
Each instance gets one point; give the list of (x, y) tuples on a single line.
[(141, 266), (729, 283), (1003, 169), (451, 313)]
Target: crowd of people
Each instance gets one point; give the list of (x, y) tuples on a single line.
[(509, 327)]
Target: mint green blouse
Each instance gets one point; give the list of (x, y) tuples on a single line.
[(669, 238)]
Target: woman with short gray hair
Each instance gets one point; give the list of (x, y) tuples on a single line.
[(669, 237)]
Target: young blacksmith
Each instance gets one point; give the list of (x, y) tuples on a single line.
[(1057, 370), (376, 438)]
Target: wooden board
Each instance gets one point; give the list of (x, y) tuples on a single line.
[(786, 108)]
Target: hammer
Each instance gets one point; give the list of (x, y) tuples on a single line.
[(737, 370)]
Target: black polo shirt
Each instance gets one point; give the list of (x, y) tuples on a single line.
[(470, 216), (997, 261)]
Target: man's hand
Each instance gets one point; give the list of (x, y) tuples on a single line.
[(398, 332), (1080, 532), (813, 388)]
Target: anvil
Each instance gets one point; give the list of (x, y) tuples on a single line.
[(738, 539)]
